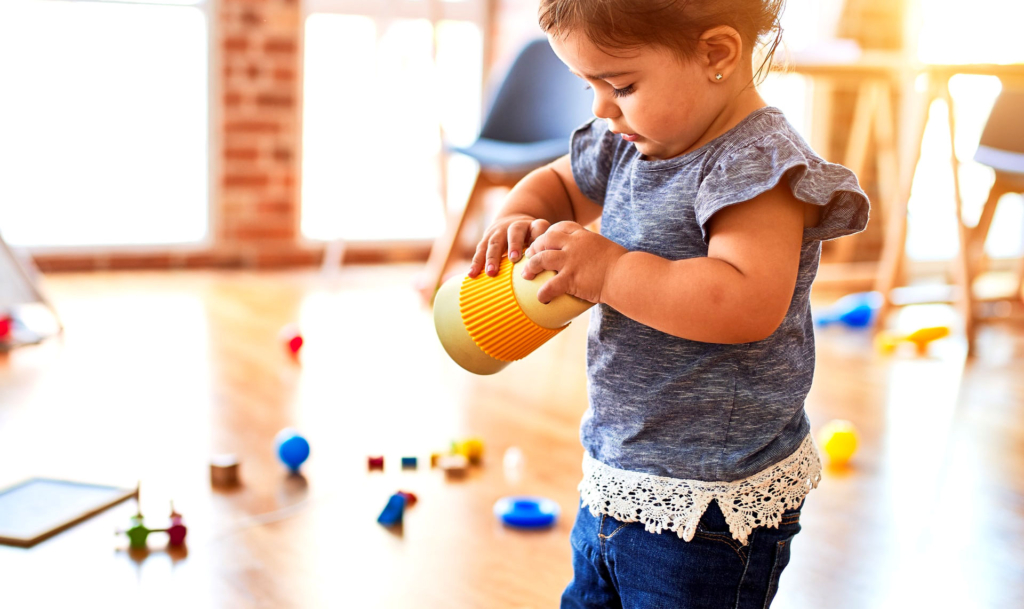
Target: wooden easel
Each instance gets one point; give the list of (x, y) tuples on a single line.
[(873, 122)]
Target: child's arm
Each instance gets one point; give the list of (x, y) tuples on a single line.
[(545, 196), (739, 293)]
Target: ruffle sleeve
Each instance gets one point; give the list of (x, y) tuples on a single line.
[(751, 169)]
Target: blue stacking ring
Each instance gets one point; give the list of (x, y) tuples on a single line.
[(526, 512)]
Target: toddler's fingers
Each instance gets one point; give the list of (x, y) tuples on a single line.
[(495, 248), (553, 288), (478, 258), (548, 260), (537, 228), (566, 226), (551, 240), (516, 236)]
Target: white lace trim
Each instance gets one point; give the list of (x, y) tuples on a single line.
[(674, 504)]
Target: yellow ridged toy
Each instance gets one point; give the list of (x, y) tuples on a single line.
[(886, 342), (485, 323)]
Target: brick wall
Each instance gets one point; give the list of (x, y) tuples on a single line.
[(257, 214)]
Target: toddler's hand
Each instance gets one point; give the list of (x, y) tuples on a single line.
[(580, 258), (510, 233)]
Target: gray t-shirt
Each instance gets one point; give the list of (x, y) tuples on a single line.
[(674, 407)]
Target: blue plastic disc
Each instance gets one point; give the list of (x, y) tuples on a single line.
[(292, 449), (526, 512)]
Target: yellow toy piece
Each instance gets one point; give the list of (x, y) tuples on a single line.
[(886, 342), (485, 323), (471, 448), (838, 438)]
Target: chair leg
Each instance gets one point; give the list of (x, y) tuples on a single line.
[(1018, 291), (977, 234), (443, 248), (857, 152), (962, 266)]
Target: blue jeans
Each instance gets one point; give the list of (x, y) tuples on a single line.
[(621, 565)]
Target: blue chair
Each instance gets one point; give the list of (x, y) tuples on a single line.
[(537, 106), (1002, 148)]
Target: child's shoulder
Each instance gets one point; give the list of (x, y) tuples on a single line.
[(765, 150), (764, 137)]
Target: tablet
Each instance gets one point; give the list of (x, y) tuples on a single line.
[(36, 509)]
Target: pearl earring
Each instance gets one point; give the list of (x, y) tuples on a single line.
[(718, 76)]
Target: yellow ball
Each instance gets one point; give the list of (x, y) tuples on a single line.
[(838, 438)]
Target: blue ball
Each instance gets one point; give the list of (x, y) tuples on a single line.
[(292, 449)]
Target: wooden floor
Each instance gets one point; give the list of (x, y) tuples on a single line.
[(158, 371)]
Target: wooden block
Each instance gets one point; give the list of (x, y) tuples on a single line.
[(454, 466), (224, 471)]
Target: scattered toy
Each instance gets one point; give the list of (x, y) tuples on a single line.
[(434, 459), (526, 512), (838, 438), (138, 533), (291, 338), (410, 499), (224, 471), (409, 462), (471, 448), (375, 463), (292, 448), (853, 310), (454, 466), (886, 342), (393, 511), (177, 531)]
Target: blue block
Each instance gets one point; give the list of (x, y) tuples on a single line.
[(393, 511), (409, 462)]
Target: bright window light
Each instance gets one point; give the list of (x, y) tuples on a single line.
[(987, 33), (103, 123), (371, 139)]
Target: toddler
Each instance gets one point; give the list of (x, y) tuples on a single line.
[(700, 352)]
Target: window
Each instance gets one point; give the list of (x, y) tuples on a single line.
[(104, 133), (987, 33), (374, 103)]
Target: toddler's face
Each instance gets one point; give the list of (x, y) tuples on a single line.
[(652, 98)]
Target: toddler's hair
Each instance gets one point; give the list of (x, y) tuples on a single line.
[(672, 24)]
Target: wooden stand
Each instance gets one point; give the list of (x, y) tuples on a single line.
[(873, 116), (965, 266)]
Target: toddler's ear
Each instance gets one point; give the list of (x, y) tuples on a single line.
[(720, 51)]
